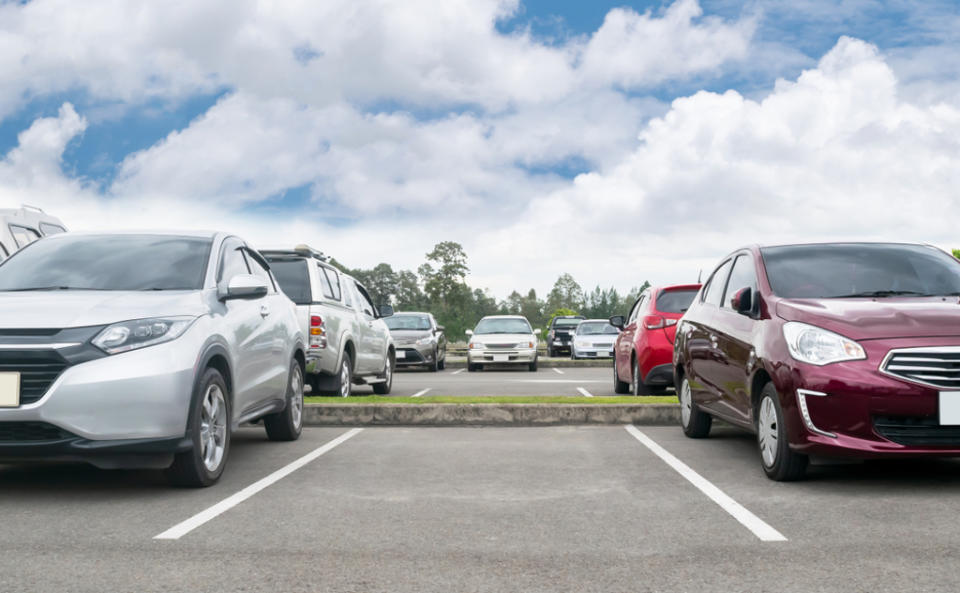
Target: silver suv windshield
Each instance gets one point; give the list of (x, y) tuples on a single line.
[(503, 326), (108, 262)]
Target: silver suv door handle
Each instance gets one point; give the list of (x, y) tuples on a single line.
[(264, 311)]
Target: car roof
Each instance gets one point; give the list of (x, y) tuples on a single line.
[(165, 232), (607, 321), (410, 313), (504, 317)]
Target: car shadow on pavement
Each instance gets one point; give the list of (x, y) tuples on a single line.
[(850, 474), (54, 479)]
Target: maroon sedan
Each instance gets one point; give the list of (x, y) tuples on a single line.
[(841, 349)]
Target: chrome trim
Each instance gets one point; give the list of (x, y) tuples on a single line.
[(919, 350), (805, 412), (57, 346)]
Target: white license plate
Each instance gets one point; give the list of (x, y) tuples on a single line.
[(950, 408), (401, 354), (501, 358), (9, 390)]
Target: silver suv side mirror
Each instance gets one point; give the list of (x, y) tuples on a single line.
[(243, 286)]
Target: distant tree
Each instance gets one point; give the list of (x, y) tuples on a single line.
[(445, 270), (409, 296), (956, 253), (565, 294), (381, 282), (562, 312)]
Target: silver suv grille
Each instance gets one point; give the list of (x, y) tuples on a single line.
[(939, 367)]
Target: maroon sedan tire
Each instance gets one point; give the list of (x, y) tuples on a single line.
[(695, 423), (779, 462)]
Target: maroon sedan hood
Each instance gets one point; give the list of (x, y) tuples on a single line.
[(869, 319)]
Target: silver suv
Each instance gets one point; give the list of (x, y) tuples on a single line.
[(348, 342), (20, 227), (144, 351)]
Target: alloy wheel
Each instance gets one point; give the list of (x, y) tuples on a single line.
[(296, 400), (686, 403), (345, 379), (213, 427), (768, 432)]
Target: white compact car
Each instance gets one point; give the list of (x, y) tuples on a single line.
[(502, 339), (594, 338)]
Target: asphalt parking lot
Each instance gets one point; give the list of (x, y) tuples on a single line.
[(501, 381), (485, 509)]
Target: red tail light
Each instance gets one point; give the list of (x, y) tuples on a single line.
[(316, 321), (657, 322)]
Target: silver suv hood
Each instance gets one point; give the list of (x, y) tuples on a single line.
[(75, 308)]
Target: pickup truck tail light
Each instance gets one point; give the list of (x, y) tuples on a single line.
[(318, 333), (658, 322)]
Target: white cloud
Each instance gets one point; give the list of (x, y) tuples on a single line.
[(845, 150)]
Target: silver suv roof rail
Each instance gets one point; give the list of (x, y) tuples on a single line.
[(34, 208), (301, 250)]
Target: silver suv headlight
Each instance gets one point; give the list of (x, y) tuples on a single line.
[(425, 341), (814, 345), (140, 333)]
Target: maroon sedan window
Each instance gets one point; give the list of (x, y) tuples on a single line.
[(850, 270), (742, 276), (675, 301), (714, 290)]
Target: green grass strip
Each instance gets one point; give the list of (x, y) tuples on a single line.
[(493, 399)]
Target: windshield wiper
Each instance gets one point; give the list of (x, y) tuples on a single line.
[(881, 293), (39, 288)]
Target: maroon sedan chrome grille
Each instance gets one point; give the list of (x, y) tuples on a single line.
[(939, 368)]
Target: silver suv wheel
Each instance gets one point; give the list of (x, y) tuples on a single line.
[(213, 427)]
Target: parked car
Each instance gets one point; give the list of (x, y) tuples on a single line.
[(419, 340), (560, 334), (348, 342), (20, 227), (838, 349), (144, 351), (594, 338), (644, 348), (502, 339)]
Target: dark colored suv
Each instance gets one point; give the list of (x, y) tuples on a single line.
[(841, 349), (560, 334)]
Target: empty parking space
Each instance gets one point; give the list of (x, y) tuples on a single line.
[(485, 509), (499, 381)]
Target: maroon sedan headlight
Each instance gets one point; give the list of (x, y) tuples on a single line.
[(815, 345)]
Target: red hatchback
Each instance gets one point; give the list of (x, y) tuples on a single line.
[(643, 352), (842, 349)]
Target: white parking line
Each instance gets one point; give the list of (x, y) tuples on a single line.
[(752, 522), (457, 372), (581, 381), (419, 393), (557, 371), (584, 392), (181, 529)]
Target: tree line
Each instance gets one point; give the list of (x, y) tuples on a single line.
[(439, 286)]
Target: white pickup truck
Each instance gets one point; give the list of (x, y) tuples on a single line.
[(22, 226), (349, 344)]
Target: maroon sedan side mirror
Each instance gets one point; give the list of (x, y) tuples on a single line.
[(742, 301)]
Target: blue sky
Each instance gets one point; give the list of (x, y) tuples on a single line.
[(483, 121)]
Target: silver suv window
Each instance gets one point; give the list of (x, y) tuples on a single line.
[(325, 285), (232, 262), (22, 235), (334, 280)]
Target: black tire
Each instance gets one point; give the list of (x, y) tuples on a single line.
[(286, 425), (443, 363), (695, 422), (313, 381), (188, 468), (343, 382), (533, 366), (639, 387), (472, 368), (618, 385), (435, 366), (787, 465), (385, 387)]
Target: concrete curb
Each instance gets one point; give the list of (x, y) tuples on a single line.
[(489, 414)]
